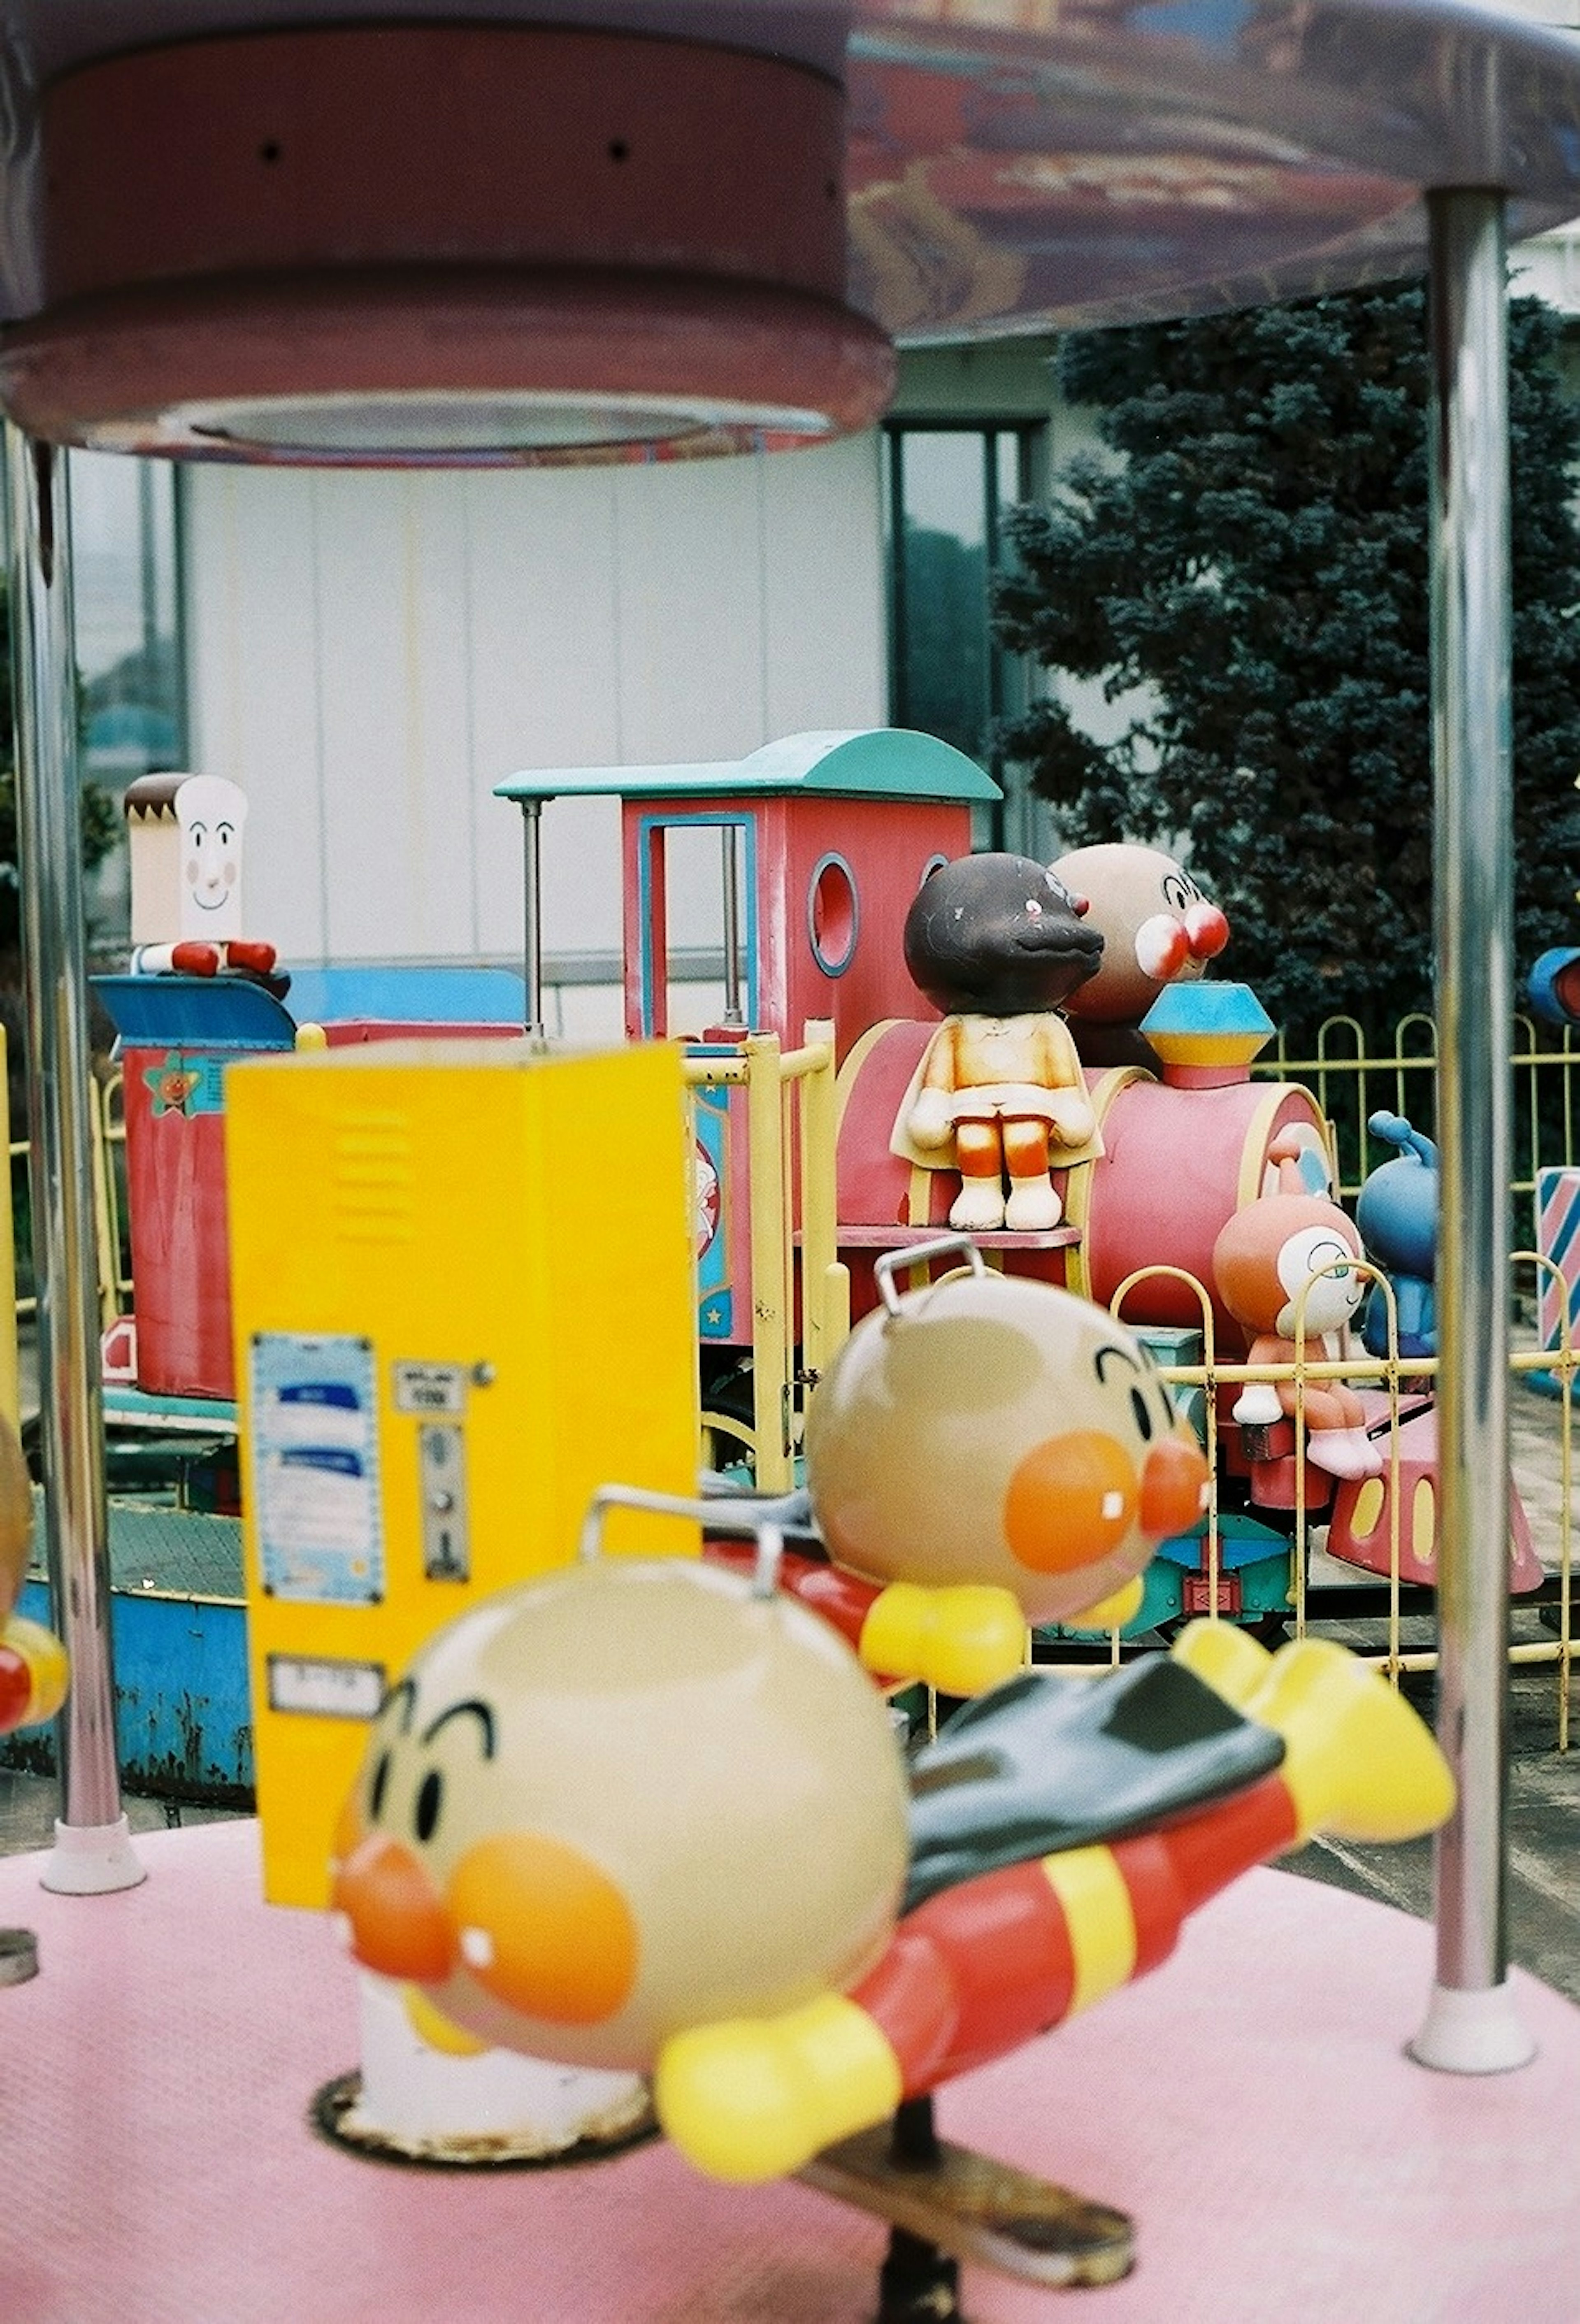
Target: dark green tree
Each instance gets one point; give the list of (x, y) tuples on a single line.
[(1249, 550), (101, 819)]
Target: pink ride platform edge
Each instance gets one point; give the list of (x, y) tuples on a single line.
[(1250, 2105)]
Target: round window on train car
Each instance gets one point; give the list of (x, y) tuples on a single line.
[(833, 916)]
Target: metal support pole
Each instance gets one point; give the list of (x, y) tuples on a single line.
[(734, 1017), (532, 915), (93, 1851), (1470, 2024)]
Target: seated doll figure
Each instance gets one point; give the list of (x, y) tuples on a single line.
[(1286, 1261), (998, 942), (185, 838)]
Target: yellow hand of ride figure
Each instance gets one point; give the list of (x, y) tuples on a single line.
[(960, 1639)]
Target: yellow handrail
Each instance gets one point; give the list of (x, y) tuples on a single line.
[(779, 1170), (1388, 1372)]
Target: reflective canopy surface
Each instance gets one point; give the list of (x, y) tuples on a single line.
[(1016, 164)]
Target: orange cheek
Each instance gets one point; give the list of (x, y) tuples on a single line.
[(1174, 1478), (543, 1929), (399, 1926), (1070, 1500)]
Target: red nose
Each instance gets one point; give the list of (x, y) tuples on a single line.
[(1207, 930), (1174, 1479), (399, 1926)]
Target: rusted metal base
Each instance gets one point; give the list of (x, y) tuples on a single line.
[(976, 2208), (19, 1956), (333, 2114)]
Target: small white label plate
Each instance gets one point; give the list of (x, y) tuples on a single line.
[(324, 1689), (430, 1388)]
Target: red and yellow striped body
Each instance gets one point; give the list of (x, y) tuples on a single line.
[(980, 1968)]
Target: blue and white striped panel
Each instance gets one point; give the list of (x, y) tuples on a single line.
[(1557, 1238)]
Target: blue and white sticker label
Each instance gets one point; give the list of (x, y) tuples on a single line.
[(315, 1468)]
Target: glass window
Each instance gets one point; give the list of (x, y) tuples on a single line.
[(126, 577), (949, 490)]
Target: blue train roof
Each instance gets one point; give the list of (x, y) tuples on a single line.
[(874, 763)]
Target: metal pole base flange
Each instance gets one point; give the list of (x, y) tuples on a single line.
[(1473, 2032), (92, 1860)]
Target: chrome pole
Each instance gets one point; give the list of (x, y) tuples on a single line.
[(93, 1850), (733, 1016), (1472, 2025), (532, 915)]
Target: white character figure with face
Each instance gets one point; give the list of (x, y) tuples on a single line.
[(186, 845), (1157, 927), (211, 814)]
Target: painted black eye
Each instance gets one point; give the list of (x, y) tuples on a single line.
[(1143, 1419), (380, 1785), (430, 1800)]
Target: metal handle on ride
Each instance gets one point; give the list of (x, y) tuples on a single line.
[(922, 1254), (765, 1531)]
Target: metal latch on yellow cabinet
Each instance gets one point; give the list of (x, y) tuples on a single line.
[(436, 1395), (447, 1552)]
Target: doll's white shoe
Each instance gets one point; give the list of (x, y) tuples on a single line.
[(1257, 1405), (1033, 1206), (979, 1207), (1344, 1453)]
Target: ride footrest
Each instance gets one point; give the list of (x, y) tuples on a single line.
[(1268, 1440), (979, 2209), (1267, 1456)]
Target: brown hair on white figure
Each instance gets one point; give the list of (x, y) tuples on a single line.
[(185, 837)]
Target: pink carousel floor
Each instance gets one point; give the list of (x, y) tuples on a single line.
[(1249, 2104)]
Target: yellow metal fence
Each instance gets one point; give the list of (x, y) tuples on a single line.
[(1389, 1374), (1351, 1082)]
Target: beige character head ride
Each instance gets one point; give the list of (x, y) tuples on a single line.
[(32, 1661), (990, 1429), (525, 1839)]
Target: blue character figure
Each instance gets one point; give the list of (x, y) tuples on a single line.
[(1396, 1213)]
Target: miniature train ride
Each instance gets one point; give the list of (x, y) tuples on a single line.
[(842, 891)]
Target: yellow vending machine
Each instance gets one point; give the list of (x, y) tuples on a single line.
[(463, 1287)]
